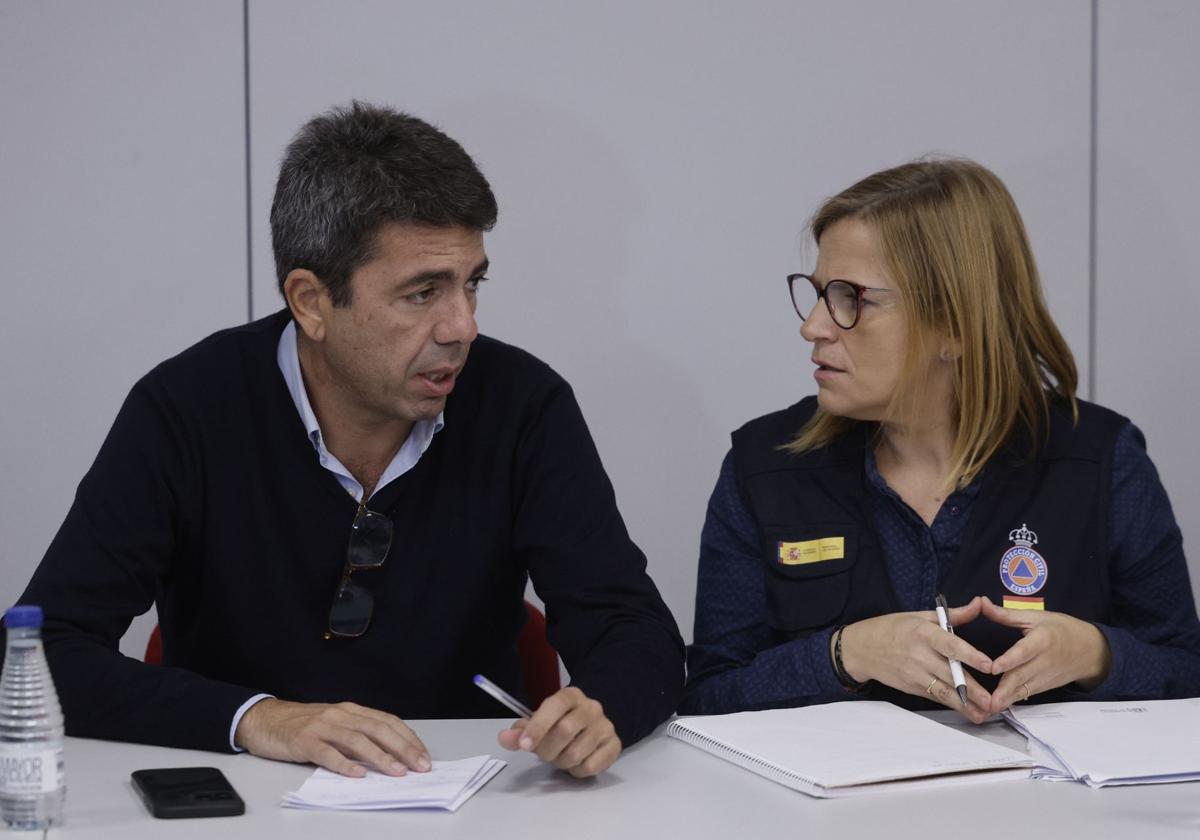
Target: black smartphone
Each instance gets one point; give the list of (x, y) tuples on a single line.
[(178, 792)]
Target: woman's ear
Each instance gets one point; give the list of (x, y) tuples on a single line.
[(951, 349)]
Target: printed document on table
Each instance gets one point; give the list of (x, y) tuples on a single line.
[(1114, 743), (447, 786)]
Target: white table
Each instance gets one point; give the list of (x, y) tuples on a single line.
[(660, 788)]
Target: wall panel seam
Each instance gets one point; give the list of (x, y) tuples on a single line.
[(246, 152), (1093, 172)]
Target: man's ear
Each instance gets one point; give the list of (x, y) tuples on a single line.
[(309, 301)]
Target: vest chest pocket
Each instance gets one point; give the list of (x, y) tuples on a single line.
[(807, 575)]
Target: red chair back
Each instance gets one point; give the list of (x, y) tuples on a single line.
[(539, 661), (154, 648)]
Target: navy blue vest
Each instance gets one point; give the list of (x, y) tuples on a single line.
[(804, 503)]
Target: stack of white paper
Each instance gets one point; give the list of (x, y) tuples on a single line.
[(1120, 743), (447, 786), (849, 748)]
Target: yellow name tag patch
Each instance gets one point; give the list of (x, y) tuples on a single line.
[(812, 551)]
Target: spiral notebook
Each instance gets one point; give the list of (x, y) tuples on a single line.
[(850, 748)]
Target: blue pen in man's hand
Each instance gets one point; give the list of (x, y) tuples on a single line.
[(503, 696)]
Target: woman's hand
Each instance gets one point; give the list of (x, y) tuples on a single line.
[(1056, 649), (910, 652)]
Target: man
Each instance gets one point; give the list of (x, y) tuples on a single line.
[(343, 501)]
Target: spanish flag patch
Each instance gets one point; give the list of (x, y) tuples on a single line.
[(812, 551), (1017, 602)]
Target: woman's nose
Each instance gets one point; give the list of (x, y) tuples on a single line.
[(819, 323)]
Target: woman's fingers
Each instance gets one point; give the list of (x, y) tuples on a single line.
[(1025, 649), (967, 612), (1021, 619), (1015, 687), (952, 647), (910, 652), (941, 689)]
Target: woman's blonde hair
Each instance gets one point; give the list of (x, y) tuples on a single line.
[(953, 242)]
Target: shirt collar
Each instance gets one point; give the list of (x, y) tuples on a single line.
[(288, 357)]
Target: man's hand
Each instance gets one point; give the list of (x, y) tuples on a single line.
[(341, 737), (1056, 649), (909, 651), (569, 730)]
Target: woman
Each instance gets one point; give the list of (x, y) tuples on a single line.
[(945, 452)]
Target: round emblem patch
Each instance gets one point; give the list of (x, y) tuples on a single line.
[(1022, 570)]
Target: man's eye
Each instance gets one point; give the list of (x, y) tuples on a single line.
[(474, 283), (422, 296)]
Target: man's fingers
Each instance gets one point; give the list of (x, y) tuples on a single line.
[(381, 740), (397, 725), (367, 739), (581, 747), (566, 730), (397, 740), (570, 730), (363, 749), (600, 760), (336, 736), (510, 738), (597, 729), (324, 755), (548, 714)]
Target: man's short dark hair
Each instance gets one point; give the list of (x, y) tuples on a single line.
[(352, 170)]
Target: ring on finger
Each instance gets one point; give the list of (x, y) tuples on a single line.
[(929, 688), (1025, 686)]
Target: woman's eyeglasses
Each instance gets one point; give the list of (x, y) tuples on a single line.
[(843, 299), (370, 541)]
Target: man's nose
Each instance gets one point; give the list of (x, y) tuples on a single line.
[(457, 324)]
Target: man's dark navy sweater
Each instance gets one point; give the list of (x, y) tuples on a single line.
[(207, 497)]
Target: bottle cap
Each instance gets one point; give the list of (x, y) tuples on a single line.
[(23, 616)]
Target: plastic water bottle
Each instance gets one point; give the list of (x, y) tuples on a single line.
[(31, 728)]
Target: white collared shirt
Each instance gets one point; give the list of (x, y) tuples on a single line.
[(406, 456)]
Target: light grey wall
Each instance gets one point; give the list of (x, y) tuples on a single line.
[(122, 218), (654, 163), (1148, 278)]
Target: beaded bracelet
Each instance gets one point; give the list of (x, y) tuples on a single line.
[(839, 669)]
